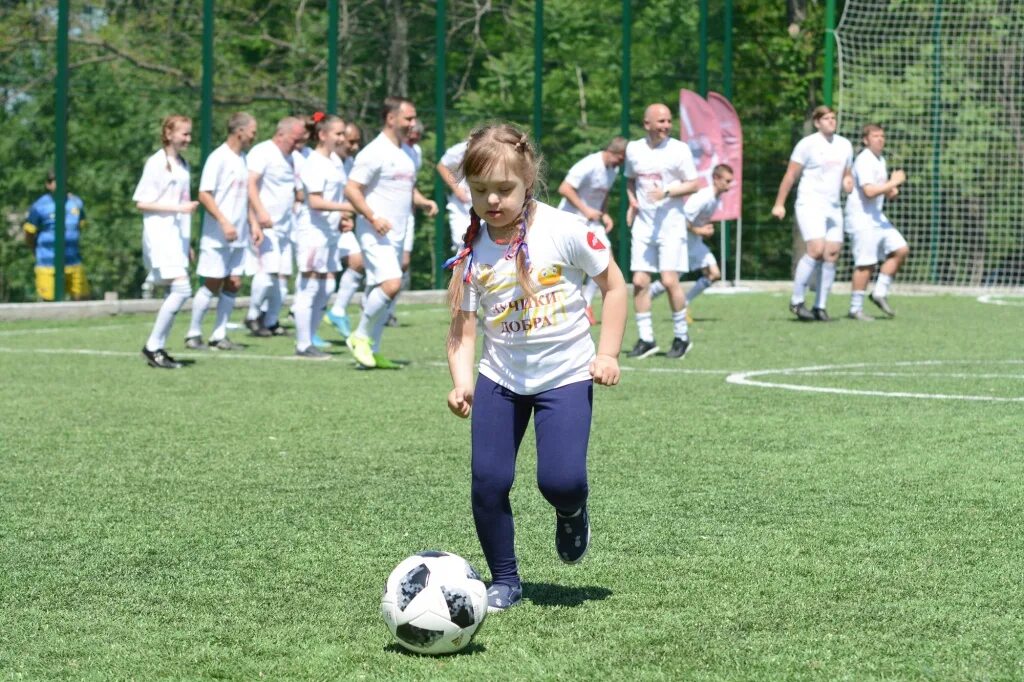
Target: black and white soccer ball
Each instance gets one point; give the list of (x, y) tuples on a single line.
[(434, 602)]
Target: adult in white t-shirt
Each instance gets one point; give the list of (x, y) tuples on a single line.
[(382, 188), (659, 173), (316, 240), (699, 209), (873, 237), (271, 200), (822, 162), (585, 193), (350, 256), (223, 189), (164, 197), (450, 170)]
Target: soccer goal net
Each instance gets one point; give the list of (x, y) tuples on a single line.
[(944, 78)]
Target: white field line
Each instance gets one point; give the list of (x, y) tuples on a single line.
[(69, 330), (750, 379), (244, 355), (999, 299)]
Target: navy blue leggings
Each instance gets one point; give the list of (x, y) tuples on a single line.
[(500, 418)]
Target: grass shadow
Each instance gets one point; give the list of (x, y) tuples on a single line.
[(469, 650), (550, 594)]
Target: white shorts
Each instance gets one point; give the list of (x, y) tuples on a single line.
[(665, 252), (382, 259), (168, 274), (820, 221), (221, 262), (275, 254), (315, 252), (699, 254), (348, 244), (410, 235), (873, 244)]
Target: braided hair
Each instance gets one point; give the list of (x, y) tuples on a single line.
[(490, 147)]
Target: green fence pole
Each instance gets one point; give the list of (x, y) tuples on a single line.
[(830, 50), (60, 196), (727, 91), (936, 141), (206, 107), (538, 69), (622, 251), (702, 64), (440, 83), (332, 56)]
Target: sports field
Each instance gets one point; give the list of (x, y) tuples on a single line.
[(237, 519)]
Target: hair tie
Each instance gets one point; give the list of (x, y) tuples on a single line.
[(318, 116), (521, 145)]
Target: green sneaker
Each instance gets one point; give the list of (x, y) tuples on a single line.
[(362, 350), (383, 363)]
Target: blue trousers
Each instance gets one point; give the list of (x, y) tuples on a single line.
[(500, 417)]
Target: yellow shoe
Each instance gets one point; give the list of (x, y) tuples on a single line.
[(383, 363), (362, 350)]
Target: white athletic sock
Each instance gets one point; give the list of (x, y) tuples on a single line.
[(406, 281), (178, 293), (698, 287), (261, 282), (856, 301), (320, 303), (282, 285), (350, 281), (375, 307), (804, 269), (589, 290), (273, 307), (657, 289), (645, 327), (225, 304), (679, 327), (200, 304), (828, 278), (305, 296), (882, 285)]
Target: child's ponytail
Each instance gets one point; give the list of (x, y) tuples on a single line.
[(461, 264)]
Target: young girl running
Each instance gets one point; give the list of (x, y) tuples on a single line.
[(523, 264), (163, 196), (323, 180)]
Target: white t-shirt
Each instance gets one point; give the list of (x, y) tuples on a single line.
[(452, 160), (300, 215), (225, 176), (277, 182), (388, 176), (324, 176), (824, 163), (656, 168), (862, 212), (700, 206), (592, 180), (534, 344), (165, 234)]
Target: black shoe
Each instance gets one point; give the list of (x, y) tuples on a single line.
[(679, 349), (392, 322), (801, 312), (257, 329), (643, 349), (225, 344), (277, 330), (160, 359), (501, 597), (572, 535), (195, 343), (821, 315), (313, 353), (883, 304)]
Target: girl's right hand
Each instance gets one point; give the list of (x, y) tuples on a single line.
[(460, 401), (189, 207)]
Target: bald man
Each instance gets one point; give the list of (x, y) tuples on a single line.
[(660, 173), (271, 198)]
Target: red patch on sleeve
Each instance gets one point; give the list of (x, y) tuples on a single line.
[(594, 242)]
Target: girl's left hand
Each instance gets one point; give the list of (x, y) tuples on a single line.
[(605, 370)]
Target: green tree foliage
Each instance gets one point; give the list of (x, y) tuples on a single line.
[(134, 62)]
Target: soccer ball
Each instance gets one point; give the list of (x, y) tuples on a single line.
[(434, 602)]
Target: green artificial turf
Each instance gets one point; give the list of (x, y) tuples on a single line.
[(237, 519)]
